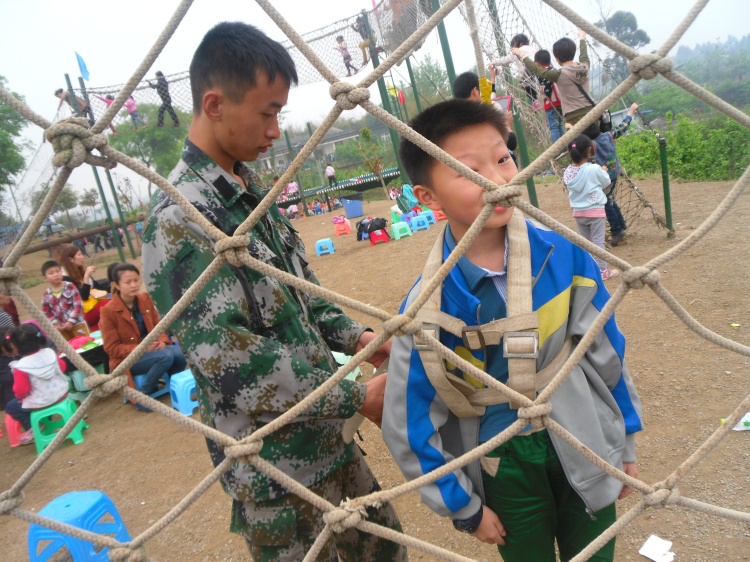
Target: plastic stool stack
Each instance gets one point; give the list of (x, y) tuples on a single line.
[(14, 429), (399, 230), (324, 246), (181, 388), (90, 510), (64, 409), (429, 215), (420, 222)]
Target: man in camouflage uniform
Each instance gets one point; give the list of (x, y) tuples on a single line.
[(256, 345)]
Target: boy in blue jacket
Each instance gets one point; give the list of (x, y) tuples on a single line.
[(533, 490)]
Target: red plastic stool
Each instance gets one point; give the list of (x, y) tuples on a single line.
[(14, 429), (379, 236), (439, 215), (342, 228)]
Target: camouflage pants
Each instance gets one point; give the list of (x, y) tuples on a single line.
[(284, 529)]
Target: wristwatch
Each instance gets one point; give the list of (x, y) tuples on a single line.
[(471, 524)]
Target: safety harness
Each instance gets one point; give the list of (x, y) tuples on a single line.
[(517, 333)]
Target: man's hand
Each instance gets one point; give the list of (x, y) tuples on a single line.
[(630, 469), (581, 34), (632, 109), (372, 408), (379, 355), (490, 529)]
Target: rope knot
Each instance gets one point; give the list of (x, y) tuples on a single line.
[(244, 452), (503, 195), (347, 516), (348, 96), (649, 66), (73, 141), (105, 385), (535, 414), (233, 248), (9, 276), (662, 497), (126, 554), (8, 503), (402, 325), (639, 277)]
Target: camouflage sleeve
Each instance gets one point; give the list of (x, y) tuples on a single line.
[(584, 56), (252, 353)]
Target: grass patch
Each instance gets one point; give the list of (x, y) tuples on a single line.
[(33, 281)]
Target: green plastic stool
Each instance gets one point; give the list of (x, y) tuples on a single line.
[(395, 217), (399, 230), (65, 409)]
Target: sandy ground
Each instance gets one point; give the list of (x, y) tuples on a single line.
[(146, 464)]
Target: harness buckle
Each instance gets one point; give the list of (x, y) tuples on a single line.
[(473, 337), (431, 330), (532, 340)]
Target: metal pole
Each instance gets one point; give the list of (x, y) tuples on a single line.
[(413, 85), (317, 162), (665, 184), (525, 160), (384, 95), (299, 183), (446, 47), (109, 215), (498, 37)]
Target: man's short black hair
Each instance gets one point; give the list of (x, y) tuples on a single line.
[(464, 84), (436, 123), (58, 91), (159, 73), (542, 57), (564, 49), (230, 56), (519, 40), (49, 264)]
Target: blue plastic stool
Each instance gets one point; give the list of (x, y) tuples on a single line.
[(420, 222), (324, 246), (140, 379), (85, 510), (181, 387), (429, 215), (64, 409)]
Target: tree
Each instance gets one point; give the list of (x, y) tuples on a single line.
[(624, 27), (66, 200), (369, 147), (11, 157), (127, 195), (157, 147), (89, 200)]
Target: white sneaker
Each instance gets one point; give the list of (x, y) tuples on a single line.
[(26, 438)]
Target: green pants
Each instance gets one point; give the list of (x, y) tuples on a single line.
[(531, 495)]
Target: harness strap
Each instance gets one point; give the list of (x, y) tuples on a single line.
[(478, 337)]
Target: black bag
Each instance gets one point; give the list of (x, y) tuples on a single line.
[(369, 225), (605, 119)]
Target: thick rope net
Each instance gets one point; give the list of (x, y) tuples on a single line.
[(76, 144)]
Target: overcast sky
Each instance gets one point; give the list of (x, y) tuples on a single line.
[(38, 39)]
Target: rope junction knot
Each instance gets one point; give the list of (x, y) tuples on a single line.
[(662, 497), (649, 66), (638, 277), (245, 452), (232, 248), (402, 325), (8, 503), (126, 554), (503, 194), (73, 142), (347, 516), (105, 385), (9, 276), (348, 96), (535, 414)]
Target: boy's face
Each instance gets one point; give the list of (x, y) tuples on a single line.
[(54, 276), (481, 148), (249, 127)]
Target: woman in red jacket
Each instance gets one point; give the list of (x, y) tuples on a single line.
[(127, 320)]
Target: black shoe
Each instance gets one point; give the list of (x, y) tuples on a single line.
[(616, 239)]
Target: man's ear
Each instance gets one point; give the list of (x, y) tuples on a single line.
[(212, 105), (427, 198)]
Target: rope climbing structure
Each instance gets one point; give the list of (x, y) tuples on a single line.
[(75, 144)]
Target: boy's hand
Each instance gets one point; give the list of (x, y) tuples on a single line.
[(379, 355), (581, 34), (66, 326), (632, 109), (490, 529), (630, 469), (372, 408), (518, 52)]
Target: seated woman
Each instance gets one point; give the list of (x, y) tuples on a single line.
[(76, 272), (127, 320)]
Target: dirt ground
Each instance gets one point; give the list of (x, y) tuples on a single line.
[(146, 464)]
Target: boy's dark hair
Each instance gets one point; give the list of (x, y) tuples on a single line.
[(58, 91), (109, 97), (542, 57), (579, 148), (116, 272), (564, 49), (230, 56), (519, 40), (436, 123), (49, 264), (159, 73), (464, 84), (28, 339)]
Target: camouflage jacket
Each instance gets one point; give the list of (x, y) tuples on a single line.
[(255, 345)]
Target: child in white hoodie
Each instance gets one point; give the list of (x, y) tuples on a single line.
[(38, 378), (586, 183)]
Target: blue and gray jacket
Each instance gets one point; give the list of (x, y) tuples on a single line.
[(597, 403)]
